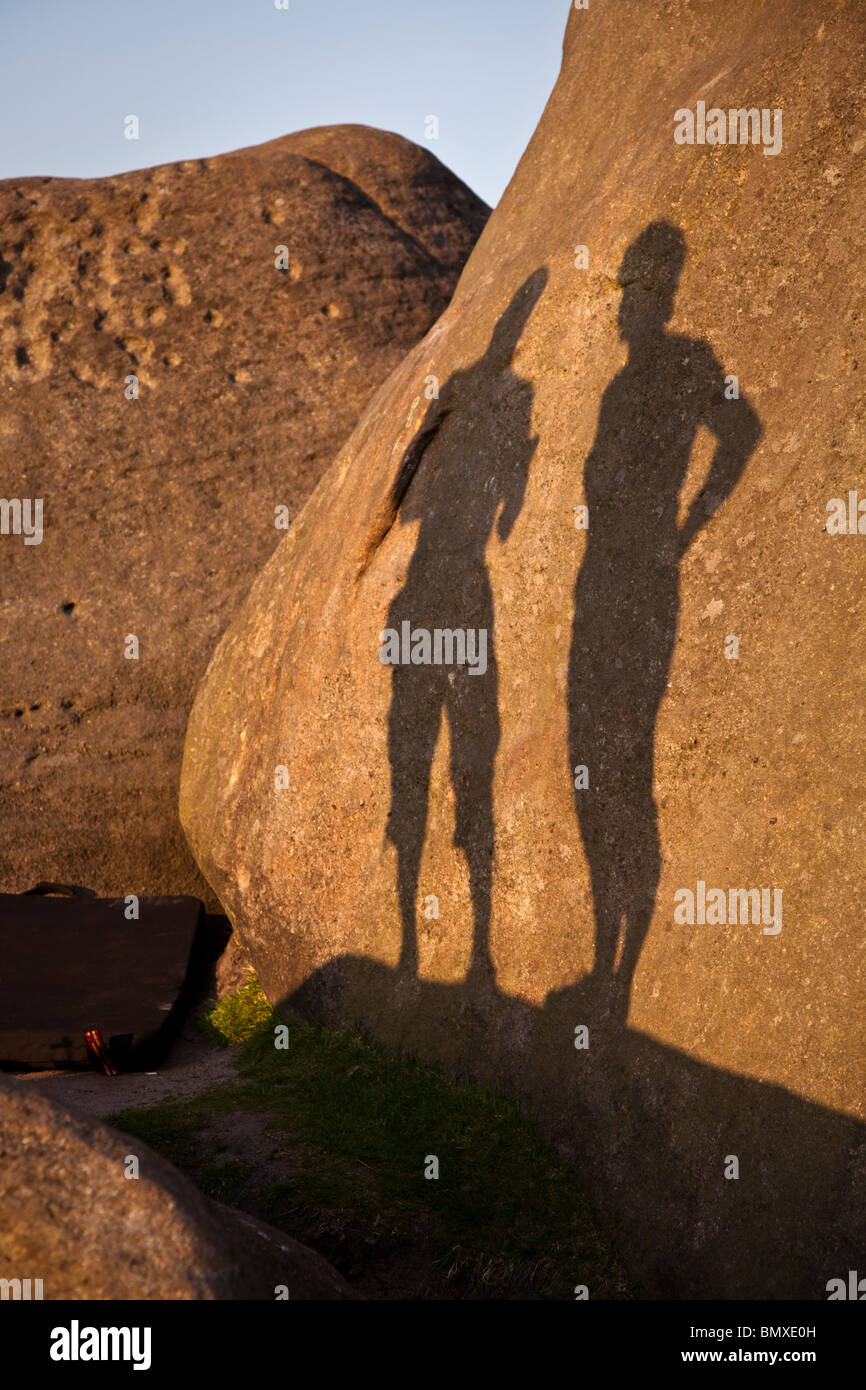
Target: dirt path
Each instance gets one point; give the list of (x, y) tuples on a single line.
[(193, 1064)]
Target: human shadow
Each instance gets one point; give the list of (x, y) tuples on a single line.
[(482, 417), (626, 598), (648, 1128)]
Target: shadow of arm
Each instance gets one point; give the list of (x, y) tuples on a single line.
[(392, 503), (738, 429)]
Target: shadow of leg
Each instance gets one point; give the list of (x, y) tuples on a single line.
[(413, 727)]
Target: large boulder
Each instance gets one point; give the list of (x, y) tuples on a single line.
[(480, 861), (252, 365), (97, 1215)]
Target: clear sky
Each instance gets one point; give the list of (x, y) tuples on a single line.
[(206, 76)]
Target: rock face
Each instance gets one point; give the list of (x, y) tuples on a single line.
[(527, 867), (70, 1216), (252, 365)]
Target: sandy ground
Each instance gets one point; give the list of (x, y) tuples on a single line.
[(192, 1064)]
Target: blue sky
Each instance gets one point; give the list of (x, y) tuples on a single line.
[(206, 76)]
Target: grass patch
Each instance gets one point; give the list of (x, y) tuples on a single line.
[(236, 1017), (355, 1125)]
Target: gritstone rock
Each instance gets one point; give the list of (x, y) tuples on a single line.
[(254, 302), (613, 858), (71, 1215)]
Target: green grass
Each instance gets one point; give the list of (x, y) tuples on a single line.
[(236, 1017), (504, 1219)]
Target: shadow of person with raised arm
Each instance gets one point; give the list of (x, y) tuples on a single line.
[(468, 462), (643, 1122), (626, 598)]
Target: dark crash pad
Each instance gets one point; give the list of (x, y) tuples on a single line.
[(73, 964)]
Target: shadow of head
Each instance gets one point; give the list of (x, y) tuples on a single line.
[(510, 325), (649, 275), (464, 388)]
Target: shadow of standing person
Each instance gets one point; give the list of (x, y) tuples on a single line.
[(468, 462), (626, 598)]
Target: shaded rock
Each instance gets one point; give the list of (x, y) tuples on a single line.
[(233, 968), (71, 1217), (648, 1127), (532, 835), (157, 511)]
